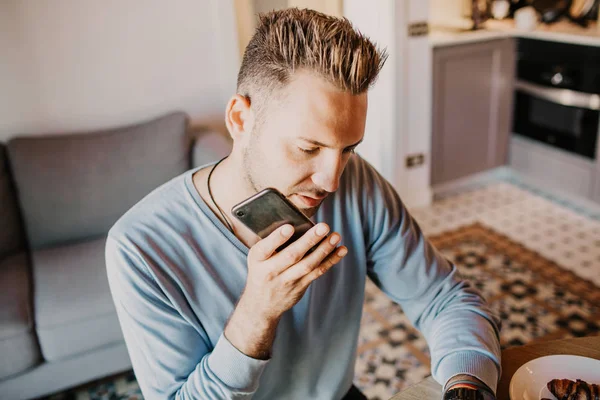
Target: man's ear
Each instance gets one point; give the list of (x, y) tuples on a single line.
[(239, 117)]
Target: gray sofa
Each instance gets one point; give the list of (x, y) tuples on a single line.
[(59, 195)]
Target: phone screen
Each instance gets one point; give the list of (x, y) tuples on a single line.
[(268, 210)]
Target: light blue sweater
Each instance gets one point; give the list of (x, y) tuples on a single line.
[(176, 272)]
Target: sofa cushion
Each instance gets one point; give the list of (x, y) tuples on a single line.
[(75, 186), (18, 345), (12, 236), (19, 349), (74, 311), (61, 342), (65, 374)]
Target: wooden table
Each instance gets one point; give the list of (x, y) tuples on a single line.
[(512, 359)]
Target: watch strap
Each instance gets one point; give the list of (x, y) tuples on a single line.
[(463, 393), (470, 390)]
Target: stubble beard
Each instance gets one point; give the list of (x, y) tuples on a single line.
[(248, 166)]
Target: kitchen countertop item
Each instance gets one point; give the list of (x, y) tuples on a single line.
[(581, 8), (551, 10), (457, 32)]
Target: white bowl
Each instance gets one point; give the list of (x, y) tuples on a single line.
[(529, 382)]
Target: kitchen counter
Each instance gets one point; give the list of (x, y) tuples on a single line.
[(564, 31)]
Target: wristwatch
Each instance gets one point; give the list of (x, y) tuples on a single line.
[(466, 393)]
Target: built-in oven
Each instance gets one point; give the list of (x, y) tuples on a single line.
[(557, 96)]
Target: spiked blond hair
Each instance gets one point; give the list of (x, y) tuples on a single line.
[(292, 39)]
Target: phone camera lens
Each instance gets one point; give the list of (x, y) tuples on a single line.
[(240, 213)]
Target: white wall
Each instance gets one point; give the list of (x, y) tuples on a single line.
[(376, 21), (263, 6), (331, 7), (68, 65), (415, 183), (15, 84), (399, 116), (447, 11)]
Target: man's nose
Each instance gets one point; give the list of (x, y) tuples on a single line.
[(328, 175)]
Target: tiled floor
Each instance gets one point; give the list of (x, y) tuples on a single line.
[(393, 355), (556, 232)]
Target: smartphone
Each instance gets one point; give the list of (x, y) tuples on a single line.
[(268, 210)]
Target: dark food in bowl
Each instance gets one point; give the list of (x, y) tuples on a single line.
[(566, 389)]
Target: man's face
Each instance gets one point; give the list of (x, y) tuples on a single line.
[(305, 140)]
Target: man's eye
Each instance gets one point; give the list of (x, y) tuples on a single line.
[(351, 150), (309, 151)]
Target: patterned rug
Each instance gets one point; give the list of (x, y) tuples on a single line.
[(535, 298)]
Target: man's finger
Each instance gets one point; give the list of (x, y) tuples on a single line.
[(313, 260), (295, 251), (325, 266), (265, 248)]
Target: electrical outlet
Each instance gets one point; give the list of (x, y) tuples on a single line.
[(414, 160), (420, 28)]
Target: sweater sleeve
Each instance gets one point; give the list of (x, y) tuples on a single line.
[(172, 359), (462, 333)]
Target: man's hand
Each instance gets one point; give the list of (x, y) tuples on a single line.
[(276, 282)]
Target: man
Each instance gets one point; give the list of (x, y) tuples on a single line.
[(210, 311)]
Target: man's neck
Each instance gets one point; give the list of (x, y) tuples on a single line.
[(228, 188)]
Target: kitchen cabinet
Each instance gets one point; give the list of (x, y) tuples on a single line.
[(596, 191), (472, 108), (552, 168), (596, 195)]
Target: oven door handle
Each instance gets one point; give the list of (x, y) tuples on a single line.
[(565, 97)]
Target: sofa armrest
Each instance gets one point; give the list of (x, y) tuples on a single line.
[(209, 146)]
